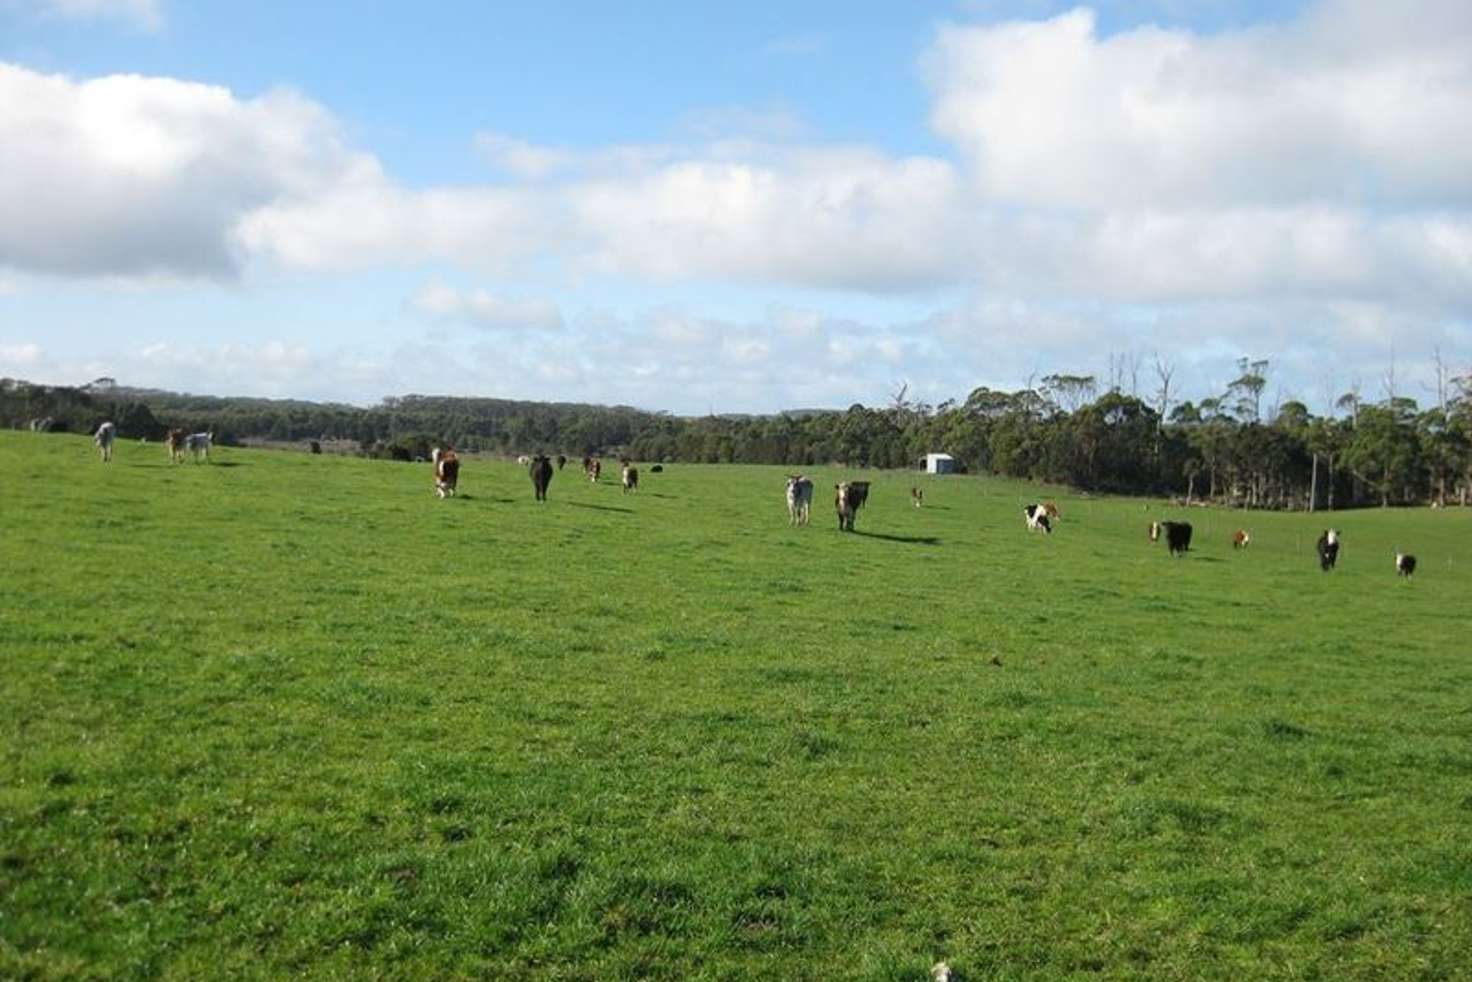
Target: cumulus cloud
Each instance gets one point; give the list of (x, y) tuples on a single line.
[(485, 309), (133, 176)]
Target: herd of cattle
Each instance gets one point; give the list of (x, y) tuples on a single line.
[(848, 498)]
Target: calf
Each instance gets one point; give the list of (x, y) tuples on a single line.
[(630, 477), (850, 497), (561, 461), (1177, 536), (1240, 539), (106, 434), (446, 471), (917, 497), (1405, 565), (175, 443), (799, 499), (199, 445), (1036, 517), (1328, 549), (541, 472)]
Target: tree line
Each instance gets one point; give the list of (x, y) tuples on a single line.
[(1224, 448)]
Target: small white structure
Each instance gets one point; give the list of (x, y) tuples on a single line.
[(939, 463)]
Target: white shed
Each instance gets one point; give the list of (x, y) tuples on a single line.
[(939, 463)]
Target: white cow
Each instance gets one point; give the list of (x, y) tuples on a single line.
[(199, 445), (106, 434), (799, 499)]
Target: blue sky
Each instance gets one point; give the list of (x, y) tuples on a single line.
[(739, 208)]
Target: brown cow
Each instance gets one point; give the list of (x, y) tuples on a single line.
[(541, 472), (175, 443), (917, 497), (1241, 538), (848, 499)]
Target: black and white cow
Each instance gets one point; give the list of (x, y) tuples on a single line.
[(630, 477), (1177, 536), (1405, 565), (1036, 517), (541, 472), (848, 499), (1328, 548)]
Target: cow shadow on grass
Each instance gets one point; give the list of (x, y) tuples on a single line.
[(579, 504), (227, 463), (913, 540)]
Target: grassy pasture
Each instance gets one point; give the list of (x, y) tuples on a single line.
[(292, 714)]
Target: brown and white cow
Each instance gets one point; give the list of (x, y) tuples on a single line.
[(630, 477), (848, 498), (175, 443), (917, 497), (1050, 508), (541, 472), (446, 471), (1241, 539), (593, 467)]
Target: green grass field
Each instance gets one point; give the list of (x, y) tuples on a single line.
[(292, 714)]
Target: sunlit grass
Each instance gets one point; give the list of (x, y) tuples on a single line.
[(287, 713)]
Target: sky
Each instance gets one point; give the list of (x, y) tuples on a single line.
[(735, 207)]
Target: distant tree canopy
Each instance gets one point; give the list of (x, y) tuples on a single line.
[(1222, 447)]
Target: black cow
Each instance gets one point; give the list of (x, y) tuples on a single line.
[(657, 469), (1177, 536), (561, 461), (1328, 547), (1405, 565), (850, 497), (541, 472)]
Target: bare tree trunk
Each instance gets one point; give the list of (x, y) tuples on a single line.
[(1313, 486)]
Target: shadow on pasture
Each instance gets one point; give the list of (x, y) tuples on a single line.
[(579, 504), (914, 540), (227, 463)]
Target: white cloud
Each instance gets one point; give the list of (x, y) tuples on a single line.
[(134, 176), (486, 310), (1348, 105), (147, 14)]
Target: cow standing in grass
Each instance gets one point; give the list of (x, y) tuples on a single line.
[(175, 443), (1328, 549), (917, 497), (106, 435), (849, 497), (799, 499), (1241, 539), (1177, 536), (199, 445), (446, 471), (541, 472), (630, 477), (1405, 565), (1036, 517)]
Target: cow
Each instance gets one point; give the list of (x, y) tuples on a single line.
[(315, 446), (175, 444), (1036, 517), (523, 461), (106, 434), (446, 471), (917, 497), (657, 469), (1328, 549), (1177, 536), (199, 445), (41, 424), (541, 472), (799, 499), (630, 477), (1050, 508), (849, 497), (1405, 565), (594, 467), (1241, 539), (561, 461)]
